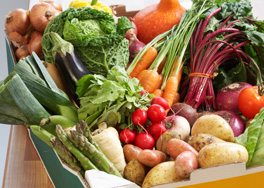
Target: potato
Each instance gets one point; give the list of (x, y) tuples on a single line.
[(135, 172), (176, 146), (185, 163), (131, 152), (160, 174), (222, 153), (198, 141), (151, 158), (161, 143), (215, 125)]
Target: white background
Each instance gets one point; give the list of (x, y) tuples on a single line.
[(7, 6)]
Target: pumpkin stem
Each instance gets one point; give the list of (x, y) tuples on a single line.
[(169, 4)]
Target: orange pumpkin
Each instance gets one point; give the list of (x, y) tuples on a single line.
[(158, 18)]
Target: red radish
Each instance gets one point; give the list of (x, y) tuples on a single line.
[(161, 101), (139, 117), (144, 141), (143, 92), (156, 130), (127, 136), (156, 113), (227, 97)]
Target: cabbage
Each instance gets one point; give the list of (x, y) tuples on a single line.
[(98, 41)]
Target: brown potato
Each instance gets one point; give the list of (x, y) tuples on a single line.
[(198, 141), (222, 153), (215, 125), (161, 143), (131, 152), (151, 157), (135, 172), (160, 174)]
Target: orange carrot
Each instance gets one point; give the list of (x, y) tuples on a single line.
[(158, 93), (144, 62), (159, 83), (176, 98), (171, 89), (141, 74), (149, 80)]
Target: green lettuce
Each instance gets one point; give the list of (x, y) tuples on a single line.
[(99, 42), (253, 140)]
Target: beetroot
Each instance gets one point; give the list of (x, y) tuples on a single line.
[(184, 110)]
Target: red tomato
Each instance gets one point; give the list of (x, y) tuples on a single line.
[(156, 113), (144, 141), (156, 130), (250, 102), (161, 101), (127, 136), (139, 117)]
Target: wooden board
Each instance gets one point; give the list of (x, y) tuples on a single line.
[(23, 165)]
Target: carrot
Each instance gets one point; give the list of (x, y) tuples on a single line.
[(145, 61), (159, 83), (158, 93), (171, 89), (149, 80), (141, 74), (176, 98)]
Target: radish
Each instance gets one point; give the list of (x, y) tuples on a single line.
[(156, 113), (144, 141), (161, 101), (227, 97), (139, 117), (178, 124), (156, 130), (127, 136)]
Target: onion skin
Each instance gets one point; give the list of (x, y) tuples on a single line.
[(35, 43), (17, 21), (227, 97), (41, 14), (135, 47), (55, 4), (22, 52)]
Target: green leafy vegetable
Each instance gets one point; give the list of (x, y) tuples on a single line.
[(110, 99), (98, 41), (253, 140)]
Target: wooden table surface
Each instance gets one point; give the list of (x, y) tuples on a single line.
[(24, 168)]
